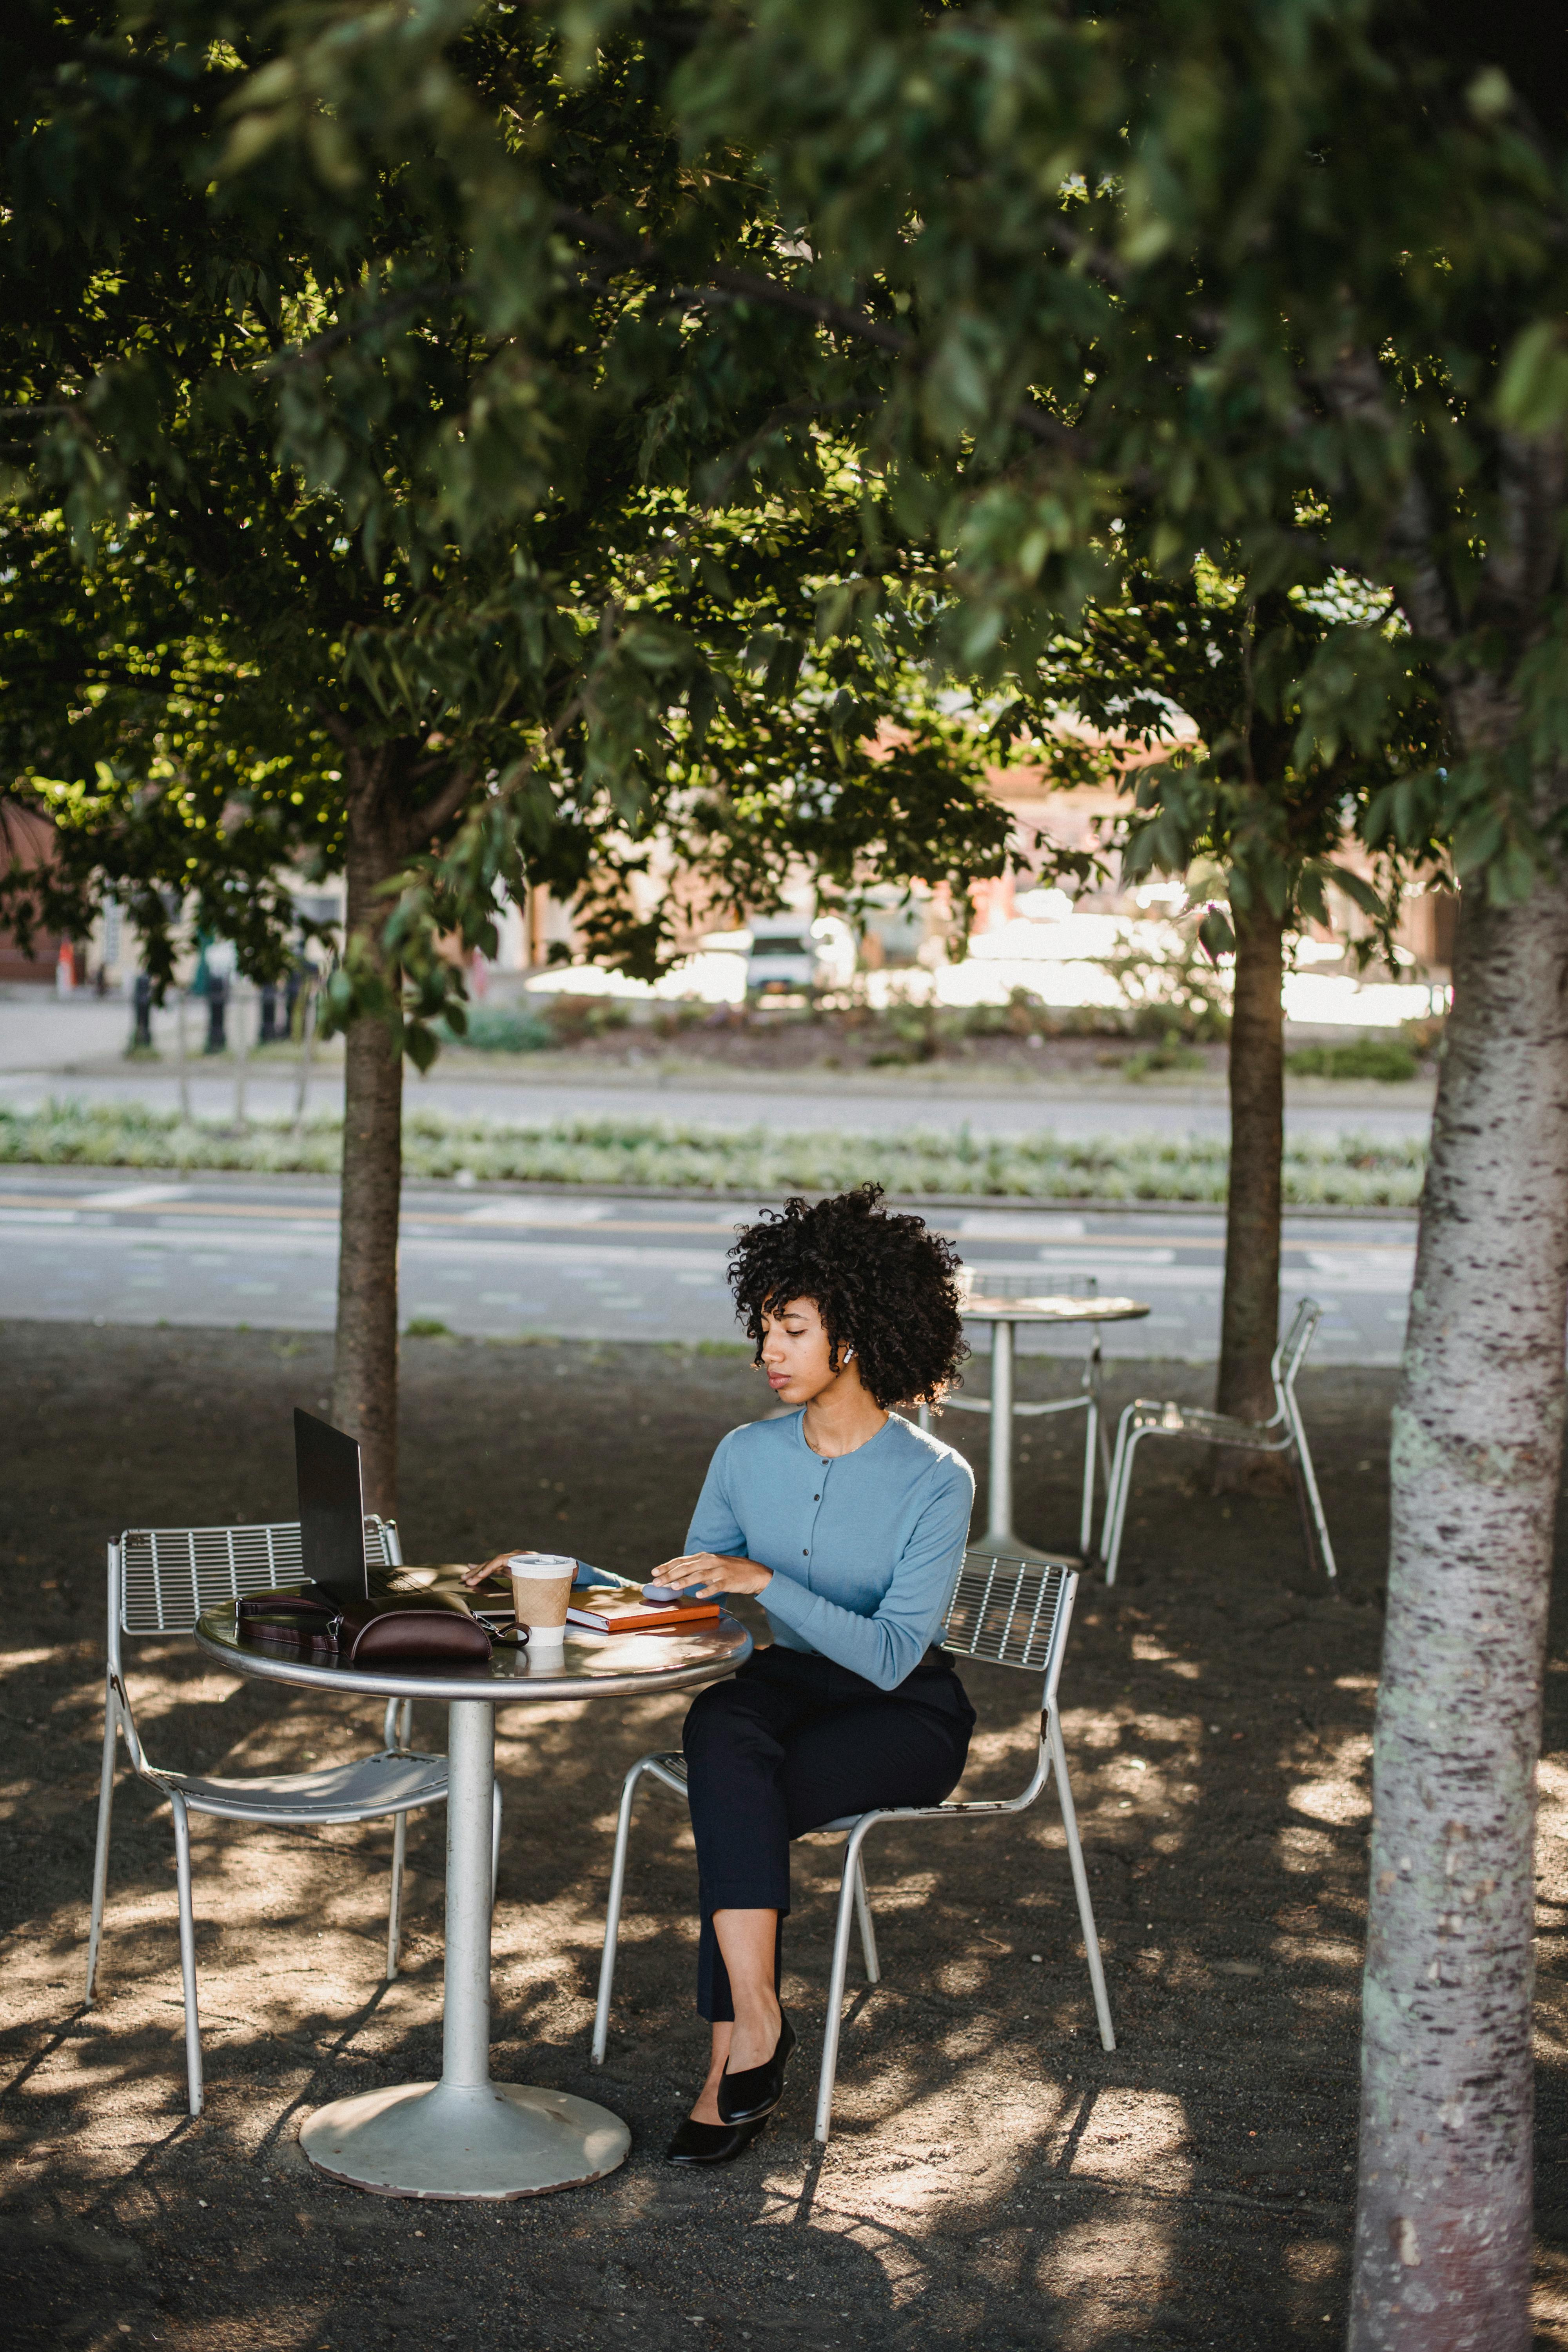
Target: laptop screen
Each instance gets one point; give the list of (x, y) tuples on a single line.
[(332, 1508)]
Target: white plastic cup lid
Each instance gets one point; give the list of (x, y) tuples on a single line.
[(537, 1563)]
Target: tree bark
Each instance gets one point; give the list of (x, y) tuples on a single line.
[(1249, 1315), (1443, 2223), (364, 1377)]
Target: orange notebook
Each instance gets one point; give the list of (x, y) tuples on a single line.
[(615, 1616)]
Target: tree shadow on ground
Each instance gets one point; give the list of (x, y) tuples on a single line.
[(993, 2178)]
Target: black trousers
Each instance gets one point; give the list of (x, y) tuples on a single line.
[(793, 1741)]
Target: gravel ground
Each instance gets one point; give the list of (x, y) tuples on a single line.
[(995, 2180)]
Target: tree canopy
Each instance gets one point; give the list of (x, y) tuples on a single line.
[(1233, 773), (1036, 294), (327, 502)]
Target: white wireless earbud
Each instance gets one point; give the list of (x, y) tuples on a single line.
[(848, 1353)]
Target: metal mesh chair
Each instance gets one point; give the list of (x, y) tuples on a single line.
[(1282, 1432), (1010, 1612), (160, 1580)]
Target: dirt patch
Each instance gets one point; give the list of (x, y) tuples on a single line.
[(995, 2180)]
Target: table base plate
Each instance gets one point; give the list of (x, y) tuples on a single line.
[(433, 2139)]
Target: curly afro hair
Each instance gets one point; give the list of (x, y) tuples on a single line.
[(885, 1285)]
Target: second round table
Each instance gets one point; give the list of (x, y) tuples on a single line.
[(1004, 1315)]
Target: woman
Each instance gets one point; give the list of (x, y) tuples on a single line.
[(848, 1525)]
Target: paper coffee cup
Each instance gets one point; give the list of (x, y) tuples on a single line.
[(541, 1589)]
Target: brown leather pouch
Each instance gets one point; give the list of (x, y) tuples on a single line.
[(413, 1629), (293, 1623)]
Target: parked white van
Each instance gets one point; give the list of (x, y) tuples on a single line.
[(794, 959)]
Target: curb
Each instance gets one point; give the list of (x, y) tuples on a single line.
[(543, 1189)]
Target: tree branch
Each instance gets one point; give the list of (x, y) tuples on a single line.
[(347, 330), (752, 286), (1355, 391), (1109, 271), (421, 824)]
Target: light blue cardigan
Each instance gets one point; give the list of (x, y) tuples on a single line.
[(865, 1549)]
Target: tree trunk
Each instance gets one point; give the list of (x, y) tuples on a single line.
[(1250, 1316), (1443, 2224), (364, 1379)]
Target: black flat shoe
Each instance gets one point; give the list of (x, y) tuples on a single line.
[(697, 2143), (756, 2091)]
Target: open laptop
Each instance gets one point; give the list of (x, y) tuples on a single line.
[(331, 1508), (331, 1522), (332, 1525)]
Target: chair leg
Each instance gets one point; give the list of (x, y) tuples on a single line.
[(1308, 1542), (1116, 1501), (1081, 1883), (836, 1982), (495, 1840), (188, 1954), (1086, 1512), (398, 1735), (1307, 1475), (395, 1902), (868, 1925), (105, 1817), (1112, 1498), (613, 1916)]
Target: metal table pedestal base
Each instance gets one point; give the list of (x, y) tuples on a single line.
[(466, 2136), (1002, 1543), (440, 2140)]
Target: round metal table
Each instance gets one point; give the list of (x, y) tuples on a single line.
[(465, 2135), (1004, 1315)]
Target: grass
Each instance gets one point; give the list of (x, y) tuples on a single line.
[(507, 1029), (1387, 1058), (1353, 1172), (1174, 1057)]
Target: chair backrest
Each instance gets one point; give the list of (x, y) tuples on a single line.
[(168, 1576), (1012, 1612), (1291, 1354)]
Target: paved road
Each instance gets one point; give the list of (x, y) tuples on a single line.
[(499, 1263)]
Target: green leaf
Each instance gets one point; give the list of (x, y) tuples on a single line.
[(1532, 390), (421, 1043), (1215, 934), (1357, 888)]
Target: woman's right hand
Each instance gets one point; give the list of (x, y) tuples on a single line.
[(712, 1571)]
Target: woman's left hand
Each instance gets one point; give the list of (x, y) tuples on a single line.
[(483, 1571), (712, 1571)]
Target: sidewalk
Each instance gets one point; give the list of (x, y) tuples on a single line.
[(75, 1048)]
